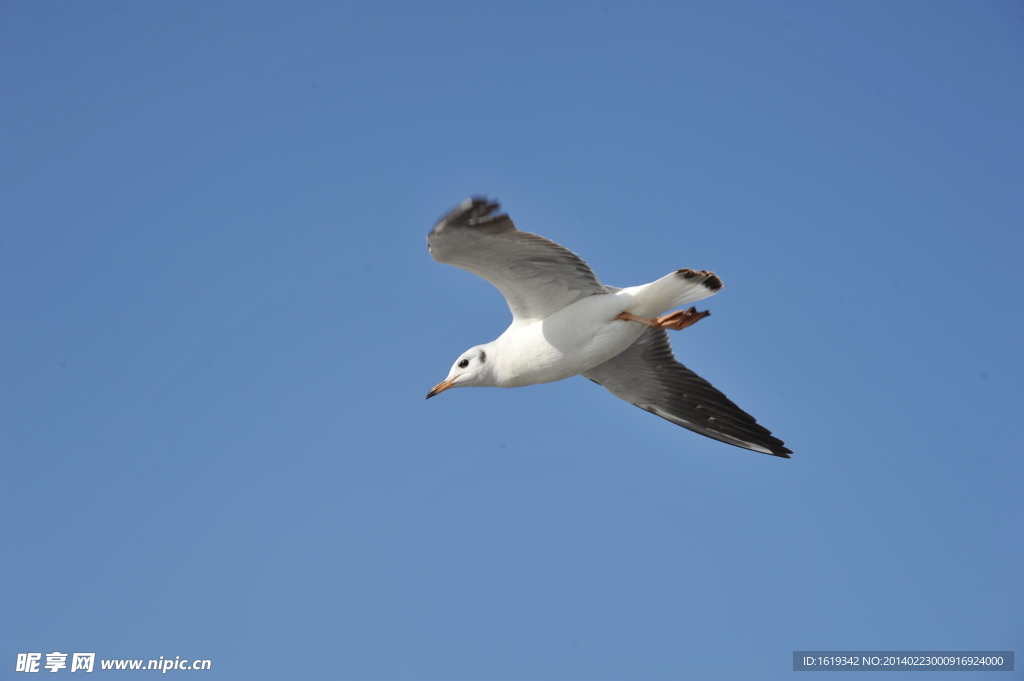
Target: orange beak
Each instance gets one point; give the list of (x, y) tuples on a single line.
[(441, 387)]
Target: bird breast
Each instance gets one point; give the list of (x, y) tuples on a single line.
[(574, 339)]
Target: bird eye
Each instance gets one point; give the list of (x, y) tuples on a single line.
[(463, 363)]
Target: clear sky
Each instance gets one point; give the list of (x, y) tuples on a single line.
[(220, 319)]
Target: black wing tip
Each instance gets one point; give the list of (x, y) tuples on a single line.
[(476, 210), (768, 445), (764, 444), (775, 446)]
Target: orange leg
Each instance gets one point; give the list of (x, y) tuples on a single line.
[(680, 319)]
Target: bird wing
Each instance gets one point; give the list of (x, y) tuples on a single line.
[(647, 375), (536, 276)]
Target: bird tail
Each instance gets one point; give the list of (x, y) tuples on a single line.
[(679, 288)]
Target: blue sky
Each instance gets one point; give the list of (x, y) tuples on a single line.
[(220, 320)]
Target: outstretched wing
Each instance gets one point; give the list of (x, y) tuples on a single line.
[(647, 375), (536, 276)]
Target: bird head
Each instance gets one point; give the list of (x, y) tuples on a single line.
[(470, 369)]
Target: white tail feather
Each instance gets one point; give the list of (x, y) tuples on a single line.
[(680, 288)]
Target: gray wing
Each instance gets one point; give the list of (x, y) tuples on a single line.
[(536, 276), (647, 375)]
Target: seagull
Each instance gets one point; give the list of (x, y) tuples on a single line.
[(565, 322)]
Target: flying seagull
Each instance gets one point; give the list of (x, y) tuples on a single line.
[(566, 322)]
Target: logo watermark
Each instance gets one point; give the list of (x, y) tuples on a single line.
[(86, 662)]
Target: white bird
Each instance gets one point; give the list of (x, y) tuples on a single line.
[(565, 322)]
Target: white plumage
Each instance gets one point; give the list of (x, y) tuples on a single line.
[(565, 322)]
